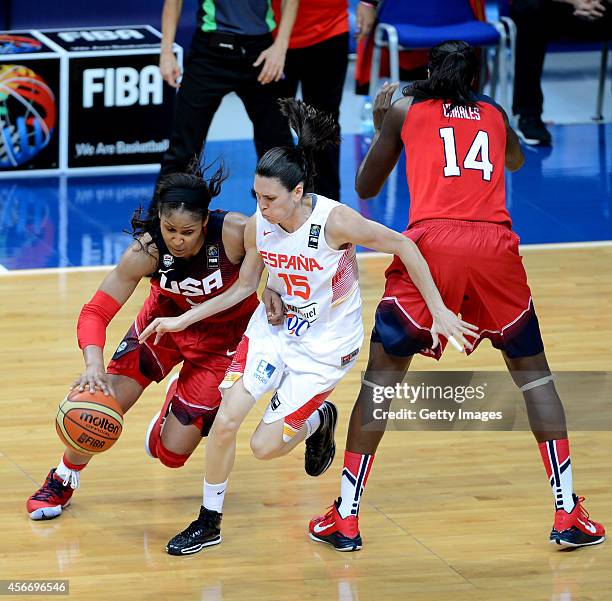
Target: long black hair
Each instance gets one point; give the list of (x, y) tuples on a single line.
[(189, 191), (315, 130), (453, 66)]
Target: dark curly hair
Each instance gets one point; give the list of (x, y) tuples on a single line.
[(189, 191), (453, 67)]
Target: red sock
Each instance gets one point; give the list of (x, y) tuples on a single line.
[(355, 474), (556, 458)]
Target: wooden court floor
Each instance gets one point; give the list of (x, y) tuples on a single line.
[(446, 515)]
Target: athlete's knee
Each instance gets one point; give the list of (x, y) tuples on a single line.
[(263, 446), (535, 382), (263, 449), (383, 367), (225, 427), (169, 458), (529, 373)]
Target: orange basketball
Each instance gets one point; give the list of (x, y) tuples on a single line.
[(89, 423)]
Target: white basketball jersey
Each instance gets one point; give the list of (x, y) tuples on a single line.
[(319, 285)]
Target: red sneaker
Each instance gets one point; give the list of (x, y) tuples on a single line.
[(153, 434), (341, 533), (49, 500), (576, 529)]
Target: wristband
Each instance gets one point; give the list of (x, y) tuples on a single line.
[(94, 319)]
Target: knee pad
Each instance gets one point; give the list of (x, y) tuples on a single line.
[(168, 458), (535, 383)]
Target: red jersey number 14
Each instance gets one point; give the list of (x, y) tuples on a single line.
[(477, 156)]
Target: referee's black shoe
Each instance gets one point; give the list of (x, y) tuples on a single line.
[(321, 446), (203, 532), (532, 131)]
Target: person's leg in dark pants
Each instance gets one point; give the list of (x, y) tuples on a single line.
[(270, 127), (532, 20), (322, 73), (206, 81), (537, 23)]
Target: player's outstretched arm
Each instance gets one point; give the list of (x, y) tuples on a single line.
[(233, 241), (345, 225), (95, 315), (247, 283), (386, 144)]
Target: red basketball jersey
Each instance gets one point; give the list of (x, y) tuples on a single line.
[(455, 161), (179, 284)]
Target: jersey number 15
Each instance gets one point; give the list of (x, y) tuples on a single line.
[(477, 156), (297, 285)]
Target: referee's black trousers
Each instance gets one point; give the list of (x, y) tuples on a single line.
[(539, 22), (321, 69), (216, 65)]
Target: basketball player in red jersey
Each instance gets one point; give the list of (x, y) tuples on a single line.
[(457, 144), (191, 255)]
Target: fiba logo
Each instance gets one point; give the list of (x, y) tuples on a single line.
[(18, 44), (123, 86), (27, 115), (101, 35)]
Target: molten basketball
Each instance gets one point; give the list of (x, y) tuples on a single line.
[(89, 423)]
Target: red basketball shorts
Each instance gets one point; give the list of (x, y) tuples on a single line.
[(480, 275), (205, 349)]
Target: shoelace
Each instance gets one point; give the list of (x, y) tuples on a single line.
[(328, 514), (315, 445), (583, 512), (205, 521), (51, 487), (73, 479)]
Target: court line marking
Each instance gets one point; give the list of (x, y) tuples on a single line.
[(4, 272)]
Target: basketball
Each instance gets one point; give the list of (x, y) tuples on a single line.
[(89, 423)]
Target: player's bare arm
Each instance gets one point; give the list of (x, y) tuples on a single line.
[(233, 241), (247, 283), (386, 144), (234, 225), (119, 284), (514, 154), (345, 226)]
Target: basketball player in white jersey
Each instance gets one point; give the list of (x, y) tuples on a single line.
[(307, 243)]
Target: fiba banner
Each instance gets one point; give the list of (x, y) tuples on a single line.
[(120, 111), (83, 98), (104, 39), (29, 102)]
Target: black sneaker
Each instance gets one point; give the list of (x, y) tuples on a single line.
[(532, 131), (321, 447), (203, 532)]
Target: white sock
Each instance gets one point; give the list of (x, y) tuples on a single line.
[(68, 476), (313, 423), (214, 494)]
